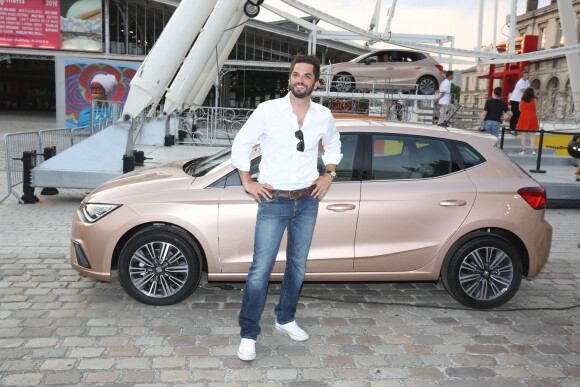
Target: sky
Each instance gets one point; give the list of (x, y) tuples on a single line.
[(458, 18)]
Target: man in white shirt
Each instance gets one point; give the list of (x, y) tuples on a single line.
[(444, 99), (516, 98), (288, 189)]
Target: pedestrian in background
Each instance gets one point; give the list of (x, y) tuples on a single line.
[(493, 113), (515, 99), (528, 120), (444, 99)]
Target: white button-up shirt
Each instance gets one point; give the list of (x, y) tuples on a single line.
[(518, 93), (282, 166)]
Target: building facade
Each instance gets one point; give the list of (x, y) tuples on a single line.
[(549, 77)]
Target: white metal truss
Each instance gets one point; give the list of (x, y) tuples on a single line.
[(420, 42)]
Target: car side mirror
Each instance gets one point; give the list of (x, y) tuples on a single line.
[(368, 61)]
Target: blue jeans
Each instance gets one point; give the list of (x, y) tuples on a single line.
[(492, 127), (274, 215)]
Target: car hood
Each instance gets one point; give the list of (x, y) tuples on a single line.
[(148, 180)]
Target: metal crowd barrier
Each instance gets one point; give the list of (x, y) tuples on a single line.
[(35, 144), (15, 144)]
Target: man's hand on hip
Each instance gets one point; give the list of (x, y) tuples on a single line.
[(258, 191), (322, 184)]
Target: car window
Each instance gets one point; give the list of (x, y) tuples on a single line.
[(345, 169), (469, 157), (405, 157), (370, 59), (232, 179)]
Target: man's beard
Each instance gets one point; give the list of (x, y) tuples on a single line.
[(304, 94)]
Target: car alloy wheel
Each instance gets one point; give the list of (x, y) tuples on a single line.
[(427, 85), (159, 266), (343, 82), (483, 273)]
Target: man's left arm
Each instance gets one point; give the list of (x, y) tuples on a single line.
[(331, 158)]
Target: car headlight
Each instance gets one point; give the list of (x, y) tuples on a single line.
[(95, 211)]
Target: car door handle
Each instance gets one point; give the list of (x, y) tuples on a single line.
[(452, 203), (340, 207)]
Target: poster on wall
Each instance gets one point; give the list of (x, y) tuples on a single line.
[(85, 80), (57, 24)]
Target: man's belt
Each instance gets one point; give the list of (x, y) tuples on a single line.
[(295, 194)]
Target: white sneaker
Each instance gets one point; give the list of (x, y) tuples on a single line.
[(247, 350), (522, 153), (293, 330)]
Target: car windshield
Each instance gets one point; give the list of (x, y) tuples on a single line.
[(202, 166), (355, 60)]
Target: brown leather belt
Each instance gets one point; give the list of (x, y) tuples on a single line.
[(297, 193)]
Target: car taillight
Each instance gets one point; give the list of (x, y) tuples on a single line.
[(535, 196), (439, 67)]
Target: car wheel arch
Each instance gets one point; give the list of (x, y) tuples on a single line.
[(193, 241), (501, 233)]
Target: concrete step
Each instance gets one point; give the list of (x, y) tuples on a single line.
[(515, 149), (546, 160), (563, 194)]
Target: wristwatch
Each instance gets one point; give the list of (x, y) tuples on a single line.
[(332, 174)]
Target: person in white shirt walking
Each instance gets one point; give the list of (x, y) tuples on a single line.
[(444, 99), (516, 98), (288, 189)]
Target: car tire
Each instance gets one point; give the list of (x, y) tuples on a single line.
[(160, 265), (251, 10), (427, 85), (343, 82), (484, 272)]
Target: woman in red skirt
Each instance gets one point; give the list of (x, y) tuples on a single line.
[(528, 120)]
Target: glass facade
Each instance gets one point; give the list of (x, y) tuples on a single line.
[(256, 44), (134, 26)]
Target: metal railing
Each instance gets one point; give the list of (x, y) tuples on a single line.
[(542, 132), (206, 125)]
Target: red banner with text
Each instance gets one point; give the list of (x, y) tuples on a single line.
[(52, 24)]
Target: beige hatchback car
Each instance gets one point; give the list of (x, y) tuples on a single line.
[(409, 203), (386, 69)]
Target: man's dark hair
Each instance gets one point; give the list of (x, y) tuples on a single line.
[(448, 73), (310, 59), (497, 91)]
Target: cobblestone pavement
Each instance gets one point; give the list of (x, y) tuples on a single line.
[(59, 328)]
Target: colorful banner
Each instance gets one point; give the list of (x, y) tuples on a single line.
[(80, 75), (57, 24)]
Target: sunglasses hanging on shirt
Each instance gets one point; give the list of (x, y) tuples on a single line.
[(300, 136)]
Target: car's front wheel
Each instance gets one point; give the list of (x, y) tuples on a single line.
[(483, 273), (343, 82), (427, 85), (159, 265)]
